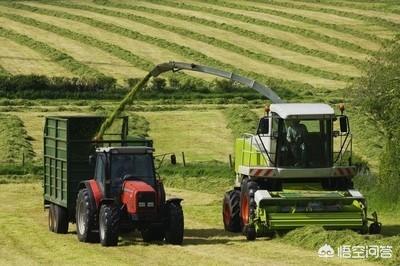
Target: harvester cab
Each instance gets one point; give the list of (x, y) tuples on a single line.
[(296, 171), (125, 194)]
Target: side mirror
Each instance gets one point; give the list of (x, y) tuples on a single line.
[(263, 126), (343, 124), (92, 160)]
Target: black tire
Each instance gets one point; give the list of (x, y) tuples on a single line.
[(175, 226), (51, 218), (86, 218), (109, 219), (60, 220), (250, 233), (152, 234), (247, 202), (231, 211), (375, 228)]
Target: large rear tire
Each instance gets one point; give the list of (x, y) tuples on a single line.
[(231, 211), (175, 226), (85, 218), (60, 220), (109, 225)]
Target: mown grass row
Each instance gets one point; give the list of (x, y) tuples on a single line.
[(242, 32), (241, 120), (336, 27), (3, 72), (375, 20), (247, 19), (285, 87), (115, 50), (214, 41), (57, 56), (14, 141)]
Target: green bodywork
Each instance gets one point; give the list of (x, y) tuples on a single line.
[(247, 154)]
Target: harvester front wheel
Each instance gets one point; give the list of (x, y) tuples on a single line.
[(248, 207), (85, 218), (109, 225), (231, 211), (175, 227)]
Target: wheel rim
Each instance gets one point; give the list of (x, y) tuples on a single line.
[(51, 225), (226, 214), (244, 210), (81, 218)]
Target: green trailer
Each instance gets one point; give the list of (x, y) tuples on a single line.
[(68, 143)]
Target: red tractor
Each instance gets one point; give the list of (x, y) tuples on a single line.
[(125, 194)]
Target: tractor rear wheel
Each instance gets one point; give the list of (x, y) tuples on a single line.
[(60, 220), (85, 218), (175, 227), (152, 234), (51, 218), (231, 211), (109, 225)]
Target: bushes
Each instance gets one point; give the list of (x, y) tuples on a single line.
[(378, 95), (38, 86)]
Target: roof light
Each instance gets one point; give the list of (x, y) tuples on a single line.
[(267, 109), (341, 107)]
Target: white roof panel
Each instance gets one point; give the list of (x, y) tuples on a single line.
[(302, 110)]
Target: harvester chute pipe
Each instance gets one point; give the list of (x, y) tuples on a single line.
[(176, 66)]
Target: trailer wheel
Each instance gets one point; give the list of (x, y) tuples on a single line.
[(85, 218), (109, 225), (231, 211), (51, 218), (175, 227), (60, 220), (152, 234)]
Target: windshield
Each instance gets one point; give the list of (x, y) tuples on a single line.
[(305, 143), (138, 166)]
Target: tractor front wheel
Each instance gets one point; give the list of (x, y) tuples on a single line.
[(231, 211), (109, 225), (175, 226), (85, 218)]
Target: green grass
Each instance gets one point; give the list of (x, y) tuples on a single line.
[(241, 120), (14, 140)]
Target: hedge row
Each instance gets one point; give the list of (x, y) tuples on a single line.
[(216, 42)]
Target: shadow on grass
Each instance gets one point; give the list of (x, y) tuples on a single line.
[(391, 230)]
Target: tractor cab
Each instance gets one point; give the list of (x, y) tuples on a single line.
[(115, 165)]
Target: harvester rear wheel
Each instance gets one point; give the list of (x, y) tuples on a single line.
[(60, 220), (175, 227), (51, 218), (109, 225), (85, 218), (231, 211)]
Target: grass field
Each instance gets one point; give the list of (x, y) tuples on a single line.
[(314, 48)]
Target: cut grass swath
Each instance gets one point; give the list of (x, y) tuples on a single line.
[(247, 19), (216, 42), (59, 57), (285, 87), (3, 72), (242, 32)]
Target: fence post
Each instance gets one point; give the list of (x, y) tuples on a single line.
[(183, 159), (23, 159)]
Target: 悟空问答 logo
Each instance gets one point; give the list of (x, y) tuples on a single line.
[(326, 251)]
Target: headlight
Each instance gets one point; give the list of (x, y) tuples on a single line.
[(142, 204), (150, 204)]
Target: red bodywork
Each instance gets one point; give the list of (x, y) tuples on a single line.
[(97, 194), (138, 191)]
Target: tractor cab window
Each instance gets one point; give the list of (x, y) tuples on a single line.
[(132, 166), (100, 169), (305, 143)]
